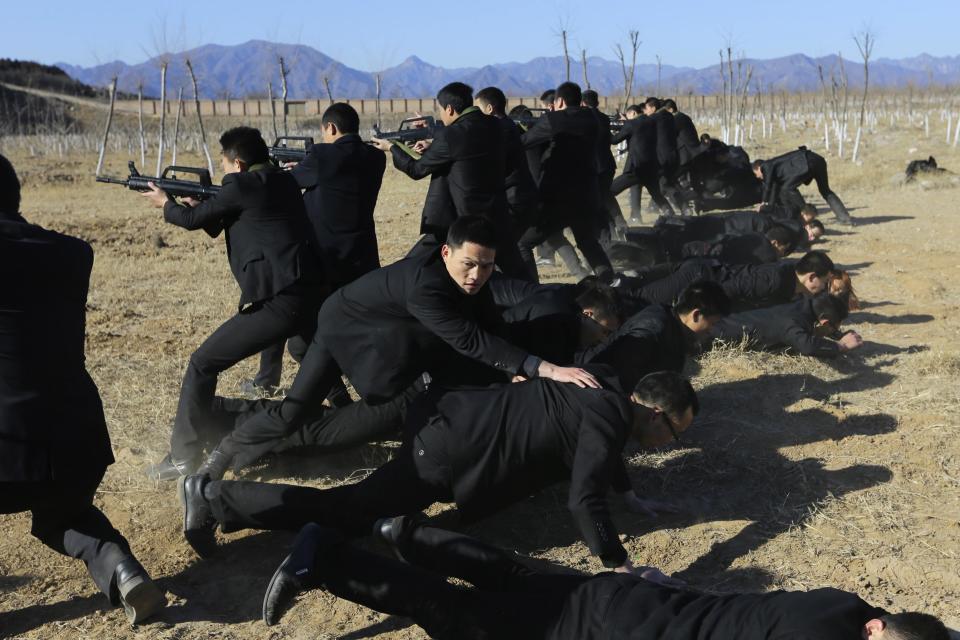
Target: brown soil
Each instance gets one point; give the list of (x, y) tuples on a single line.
[(798, 474)]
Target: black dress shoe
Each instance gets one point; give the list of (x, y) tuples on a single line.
[(198, 521), (139, 595), (171, 468), (396, 531), (298, 571)]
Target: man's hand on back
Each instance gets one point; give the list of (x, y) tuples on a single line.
[(577, 376)]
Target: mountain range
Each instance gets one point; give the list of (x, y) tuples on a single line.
[(245, 70)]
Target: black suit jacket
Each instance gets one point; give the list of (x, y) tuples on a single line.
[(501, 444), (262, 214), (522, 198), (786, 171), (762, 285), (568, 167), (547, 323), (341, 182), (606, 165), (389, 326), (786, 325), (666, 140), (51, 420), (641, 136), (688, 140), (652, 339), (734, 248), (466, 164)]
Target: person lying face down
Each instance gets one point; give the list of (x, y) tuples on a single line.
[(804, 326), (659, 337), (510, 599), (483, 448)]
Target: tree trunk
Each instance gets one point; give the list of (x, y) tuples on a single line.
[(163, 114), (176, 125), (273, 110), (203, 133), (583, 62), (283, 86), (106, 129), (143, 140)]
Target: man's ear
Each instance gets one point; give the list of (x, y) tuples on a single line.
[(589, 313), (696, 315), (333, 129), (874, 628), (445, 251)]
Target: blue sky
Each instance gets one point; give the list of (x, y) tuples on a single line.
[(372, 34)]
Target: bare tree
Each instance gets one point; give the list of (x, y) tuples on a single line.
[(865, 41), (628, 74), (273, 109), (326, 85), (284, 71), (176, 124), (583, 62), (196, 101), (143, 139), (659, 67), (163, 113), (106, 129), (566, 53), (379, 80)]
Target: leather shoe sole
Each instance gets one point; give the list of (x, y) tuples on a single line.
[(140, 596)]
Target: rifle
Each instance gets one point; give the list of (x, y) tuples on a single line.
[(201, 189), (616, 125), (407, 133), (528, 120), (281, 151)]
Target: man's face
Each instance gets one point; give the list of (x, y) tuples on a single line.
[(231, 166), (470, 265), (812, 283), (697, 322), (631, 114), (649, 109), (448, 115), (813, 233), (758, 172), (595, 328), (653, 428)]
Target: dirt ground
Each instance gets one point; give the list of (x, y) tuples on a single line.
[(797, 474)]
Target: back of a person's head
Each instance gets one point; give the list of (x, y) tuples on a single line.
[(570, 93), (603, 300), (815, 262), (781, 235), (474, 229), (831, 308), (591, 98), (344, 117), (9, 187), (705, 295), (669, 104), (520, 111), (652, 102), (244, 144), (809, 210), (637, 109), (668, 390), (456, 95), (493, 97), (913, 626), (705, 138), (816, 224), (548, 95)]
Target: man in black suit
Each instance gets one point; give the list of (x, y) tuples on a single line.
[(466, 162), (568, 179), (422, 314), (54, 445), (483, 448), (689, 147), (260, 210), (659, 337), (641, 169), (606, 169), (782, 175), (511, 599), (341, 180), (668, 159), (804, 326)]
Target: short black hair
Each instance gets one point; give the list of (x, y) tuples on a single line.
[(635, 108), (781, 235), (705, 138), (520, 111), (815, 262), (9, 187), (816, 224), (756, 164), (653, 102), (570, 93), (493, 97), (457, 95), (603, 300), (591, 98), (705, 295), (548, 95), (476, 229), (668, 390), (344, 117), (244, 144), (833, 309), (911, 625), (669, 104), (809, 209)]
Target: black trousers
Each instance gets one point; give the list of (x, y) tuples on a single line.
[(271, 368), (790, 198), (65, 519), (290, 312), (610, 211), (663, 287), (581, 213), (407, 483), (508, 599), (642, 177)]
